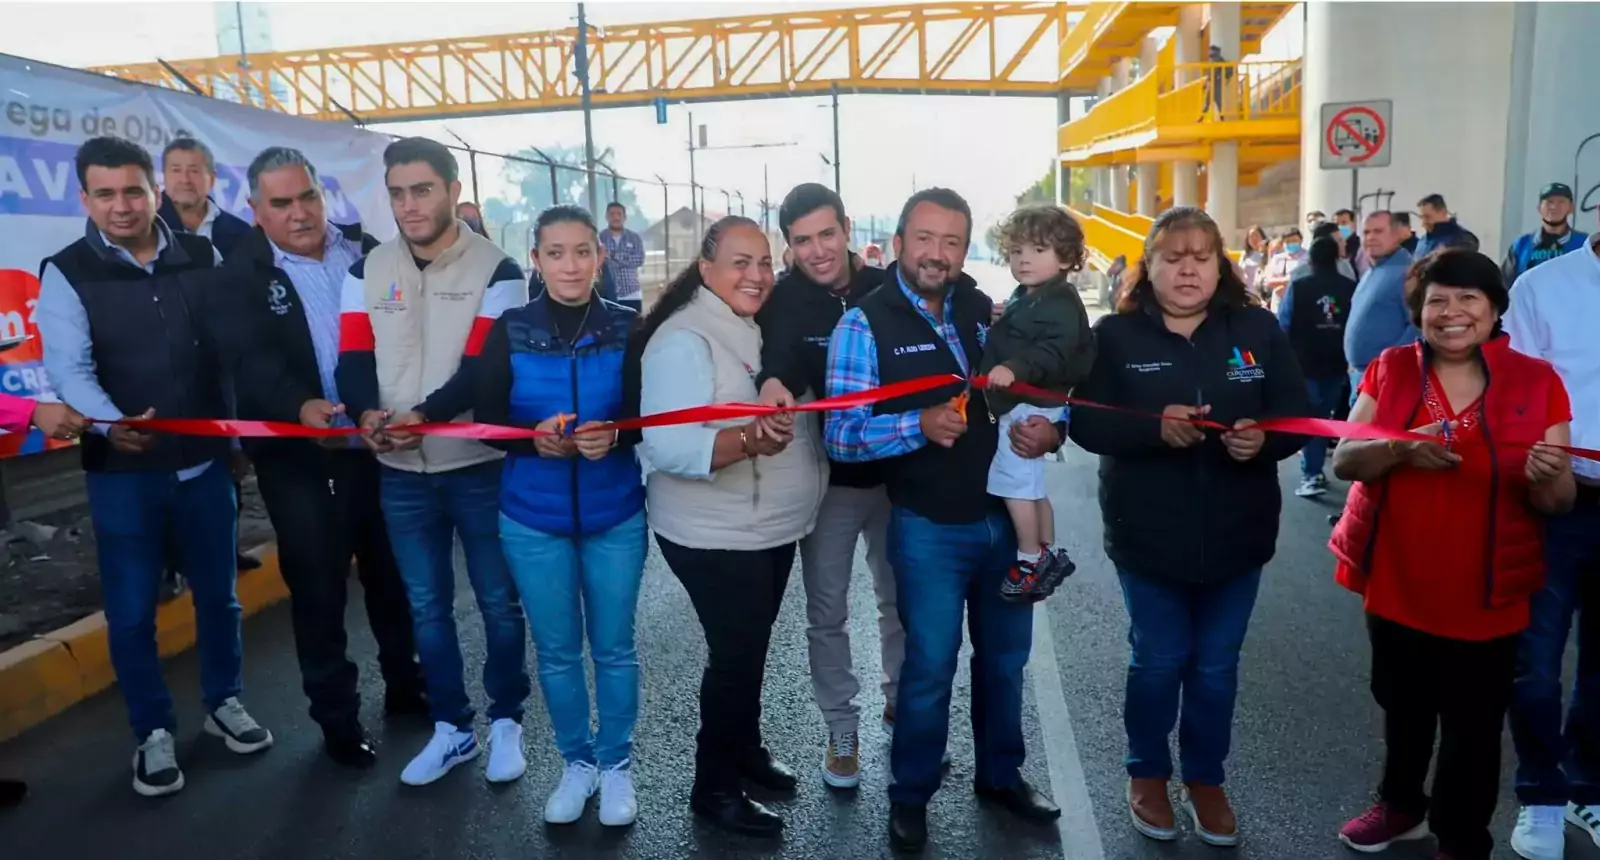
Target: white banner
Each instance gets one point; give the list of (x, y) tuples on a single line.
[(46, 111)]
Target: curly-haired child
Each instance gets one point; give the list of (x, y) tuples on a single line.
[(1041, 339)]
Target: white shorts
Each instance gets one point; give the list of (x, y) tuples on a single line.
[(1010, 476)]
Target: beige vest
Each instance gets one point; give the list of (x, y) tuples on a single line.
[(421, 319), (753, 504)]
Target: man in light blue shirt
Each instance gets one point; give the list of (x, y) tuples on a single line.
[(126, 314), (1379, 317)]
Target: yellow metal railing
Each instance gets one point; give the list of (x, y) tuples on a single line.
[(1129, 110), (1214, 93), (1108, 241), (1232, 92), (1082, 36), (1139, 225)]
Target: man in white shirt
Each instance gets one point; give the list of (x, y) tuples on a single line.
[(1554, 309), (188, 176)]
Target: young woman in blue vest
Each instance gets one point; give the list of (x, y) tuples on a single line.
[(572, 507)]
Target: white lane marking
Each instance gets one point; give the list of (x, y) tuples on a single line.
[(1080, 835)]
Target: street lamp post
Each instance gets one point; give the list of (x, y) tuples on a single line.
[(582, 63)]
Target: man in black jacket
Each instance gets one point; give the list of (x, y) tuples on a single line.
[(796, 324), (322, 498), (951, 543)]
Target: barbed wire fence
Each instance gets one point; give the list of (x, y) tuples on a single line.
[(671, 240)]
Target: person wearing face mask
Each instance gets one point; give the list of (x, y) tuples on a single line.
[(1349, 226), (287, 277), (572, 517), (1554, 237), (1281, 266), (1326, 229), (951, 544), (1444, 542), (728, 501), (1191, 516)]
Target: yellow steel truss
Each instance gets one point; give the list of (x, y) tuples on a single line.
[(958, 48)]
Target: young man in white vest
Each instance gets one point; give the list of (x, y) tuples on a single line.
[(413, 317)]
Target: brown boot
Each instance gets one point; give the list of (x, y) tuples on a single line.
[(1150, 806), (1211, 814)]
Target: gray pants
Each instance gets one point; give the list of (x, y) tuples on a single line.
[(827, 560)]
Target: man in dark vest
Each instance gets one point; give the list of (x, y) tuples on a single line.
[(188, 176), (124, 313), (323, 499), (950, 542)]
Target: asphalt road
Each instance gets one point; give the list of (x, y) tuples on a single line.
[(1306, 748)]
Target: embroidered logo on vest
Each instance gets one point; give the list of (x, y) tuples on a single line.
[(1243, 368), (394, 299), (277, 297)]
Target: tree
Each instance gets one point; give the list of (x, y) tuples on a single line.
[(532, 179), (1044, 190)]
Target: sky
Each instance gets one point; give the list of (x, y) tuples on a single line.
[(989, 149)]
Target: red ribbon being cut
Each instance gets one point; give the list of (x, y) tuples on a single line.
[(1321, 427)]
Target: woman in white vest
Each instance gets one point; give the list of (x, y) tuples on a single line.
[(728, 500)]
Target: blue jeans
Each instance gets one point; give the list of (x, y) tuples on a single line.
[(132, 512), (1552, 767), (939, 570), (1185, 642), (424, 512), (570, 584), (1324, 400)]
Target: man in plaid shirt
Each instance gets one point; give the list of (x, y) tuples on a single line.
[(950, 542), (624, 257)]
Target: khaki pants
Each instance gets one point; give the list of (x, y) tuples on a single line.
[(827, 562)]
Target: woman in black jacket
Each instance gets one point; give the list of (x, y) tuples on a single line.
[(1191, 516)]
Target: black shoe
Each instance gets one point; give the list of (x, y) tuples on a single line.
[(12, 791), (760, 768), (349, 747), (734, 812), (1022, 800), (410, 703), (908, 826), (245, 562)]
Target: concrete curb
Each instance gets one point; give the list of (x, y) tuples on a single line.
[(45, 676)]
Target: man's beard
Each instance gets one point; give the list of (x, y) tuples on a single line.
[(932, 268)]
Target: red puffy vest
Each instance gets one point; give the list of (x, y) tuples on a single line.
[(1514, 412)]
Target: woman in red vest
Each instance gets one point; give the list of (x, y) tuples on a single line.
[(1443, 540)]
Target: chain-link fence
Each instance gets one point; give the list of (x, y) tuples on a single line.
[(670, 217)]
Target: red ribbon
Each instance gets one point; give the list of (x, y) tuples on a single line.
[(1321, 427)]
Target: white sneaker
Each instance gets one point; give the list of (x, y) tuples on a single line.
[(578, 784), (238, 729), (618, 804), (506, 762), (448, 747), (155, 766), (1540, 833), (1584, 817), (1312, 487)]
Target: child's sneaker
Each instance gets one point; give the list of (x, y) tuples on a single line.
[(1020, 581), (1055, 568)]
